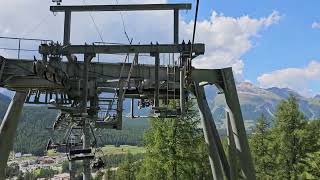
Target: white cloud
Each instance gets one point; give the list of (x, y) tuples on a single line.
[(4, 53), (21, 19), (298, 79), (315, 25), (227, 39)]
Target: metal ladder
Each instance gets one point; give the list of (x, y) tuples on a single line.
[(113, 103), (135, 61), (170, 110), (171, 80)]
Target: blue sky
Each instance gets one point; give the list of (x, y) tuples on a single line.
[(291, 43)]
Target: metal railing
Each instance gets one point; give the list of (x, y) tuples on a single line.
[(19, 41)]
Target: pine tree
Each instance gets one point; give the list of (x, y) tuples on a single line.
[(290, 149), (310, 165), (260, 148), (127, 170), (289, 126), (175, 149)]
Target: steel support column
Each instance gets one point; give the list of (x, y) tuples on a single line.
[(132, 108), (229, 88), (156, 80), (217, 156), (182, 70), (182, 91), (67, 28), (72, 170), (232, 151), (176, 26), (8, 129), (86, 145), (86, 130), (120, 104), (67, 31)]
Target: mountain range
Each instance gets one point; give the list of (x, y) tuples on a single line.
[(254, 101)]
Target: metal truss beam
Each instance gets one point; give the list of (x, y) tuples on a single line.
[(217, 156), (224, 80), (237, 124), (19, 74), (198, 49), (232, 151), (125, 7)]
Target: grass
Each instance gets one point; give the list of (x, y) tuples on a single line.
[(29, 158), (123, 149), (107, 150)]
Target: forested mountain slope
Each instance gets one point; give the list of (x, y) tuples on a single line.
[(32, 133)]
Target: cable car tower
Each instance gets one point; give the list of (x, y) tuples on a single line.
[(90, 94)]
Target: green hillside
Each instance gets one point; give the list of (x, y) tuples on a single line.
[(32, 134)]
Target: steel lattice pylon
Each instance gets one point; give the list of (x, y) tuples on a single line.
[(75, 87)]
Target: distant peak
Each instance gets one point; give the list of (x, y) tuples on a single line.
[(248, 87), (283, 92), (245, 85)]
